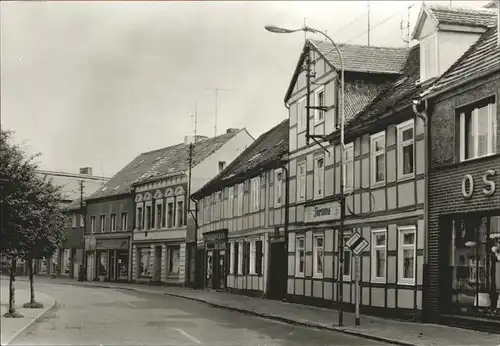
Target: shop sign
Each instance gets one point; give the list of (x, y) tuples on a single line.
[(90, 243), (111, 244), (322, 212), (214, 237), (488, 183)]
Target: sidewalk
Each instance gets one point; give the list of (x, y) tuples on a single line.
[(11, 327), (392, 331)]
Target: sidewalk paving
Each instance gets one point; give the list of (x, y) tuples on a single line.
[(392, 331), (11, 327)]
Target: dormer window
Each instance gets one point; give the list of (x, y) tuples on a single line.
[(222, 165), (429, 57)]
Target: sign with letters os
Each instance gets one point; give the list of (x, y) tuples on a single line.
[(488, 184)]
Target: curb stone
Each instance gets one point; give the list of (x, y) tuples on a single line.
[(260, 314), (34, 320)]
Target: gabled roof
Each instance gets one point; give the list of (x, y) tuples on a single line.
[(70, 183), (483, 56), (453, 15), (357, 58), (265, 152), (159, 163), (395, 95), (358, 94)]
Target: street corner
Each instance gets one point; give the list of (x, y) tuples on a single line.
[(12, 327)]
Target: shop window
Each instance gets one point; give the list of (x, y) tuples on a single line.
[(407, 252), (113, 222), (378, 158), (301, 181), (173, 260), (92, 224), (379, 255), (475, 266), (319, 177), (122, 262), (406, 150), (124, 221), (102, 223), (180, 214), (278, 187), (103, 263), (145, 264), (347, 270), (349, 166), (258, 257), (318, 255), (478, 129), (300, 256)]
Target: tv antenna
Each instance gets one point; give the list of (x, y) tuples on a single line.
[(195, 119), (405, 26)]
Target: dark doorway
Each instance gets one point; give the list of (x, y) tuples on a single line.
[(200, 268), (277, 271)]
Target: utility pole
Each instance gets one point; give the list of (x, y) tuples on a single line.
[(83, 266)]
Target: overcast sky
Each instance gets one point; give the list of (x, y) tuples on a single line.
[(97, 83)]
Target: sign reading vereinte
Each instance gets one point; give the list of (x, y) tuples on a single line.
[(322, 212)]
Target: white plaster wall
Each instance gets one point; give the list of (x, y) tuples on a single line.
[(452, 45)]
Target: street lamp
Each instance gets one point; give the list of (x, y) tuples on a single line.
[(280, 30)]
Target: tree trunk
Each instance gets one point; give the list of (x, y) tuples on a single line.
[(32, 288), (12, 288)]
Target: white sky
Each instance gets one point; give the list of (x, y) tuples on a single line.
[(97, 83)]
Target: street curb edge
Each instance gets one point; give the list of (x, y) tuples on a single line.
[(294, 322), (33, 321)]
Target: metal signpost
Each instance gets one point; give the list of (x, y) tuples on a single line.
[(356, 243)]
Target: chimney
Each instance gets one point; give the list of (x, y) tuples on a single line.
[(232, 130), (199, 138), (86, 170), (188, 139)]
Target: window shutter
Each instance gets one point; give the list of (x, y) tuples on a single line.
[(258, 257)]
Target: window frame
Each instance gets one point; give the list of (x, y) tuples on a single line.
[(316, 175), (317, 112), (298, 273), (278, 187), (230, 202), (241, 249), (401, 144), (113, 222), (253, 254), (401, 247), (316, 273), (473, 109), (92, 224), (241, 195), (102, 223), (254, 194), (373, 157), (124, 224), (301, 118), (424, 75), (348, 147), (374, 247), (231, 257), (301, 179)]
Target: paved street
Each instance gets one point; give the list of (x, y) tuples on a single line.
[(103, 316)]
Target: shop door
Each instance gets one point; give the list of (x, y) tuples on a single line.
[(278, 271), (112, 265), (222, 269), (209, 266), (157, 274)]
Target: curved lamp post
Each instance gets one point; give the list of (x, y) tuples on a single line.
[(280, 30)]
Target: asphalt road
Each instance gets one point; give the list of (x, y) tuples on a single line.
[(100, 316)]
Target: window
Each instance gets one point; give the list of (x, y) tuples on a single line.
[(429, 59), (82, 220), (318, 255), (319, 177), (140, 222), (74, 221), (347, 261), (236, 257), (222, 165), (300, 256), (102, 221), (240, 258), (124, 221), (252, 257), (180, 213), (92, 224), (278, 186), (255, 194), (230, 202), (378, 255), (174, 260), (378, 157), (320, 102), (158, 216), (258, 257), (246, 257), (301, 114), (231, 258), (406, 149), (349, 166), (240, 200), (478, 130), (301, 181), (170, 215), (406, 255), (148, 217), (113, 222)]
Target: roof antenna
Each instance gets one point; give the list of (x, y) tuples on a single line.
[(305, 32), (368, 3), (406, 27), (195, 118)]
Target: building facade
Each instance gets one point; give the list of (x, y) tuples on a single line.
[(164, 226), (464, 201), (241, 219)]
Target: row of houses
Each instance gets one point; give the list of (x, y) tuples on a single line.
[(263, 216)]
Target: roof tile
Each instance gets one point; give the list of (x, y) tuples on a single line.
[(478, 17)]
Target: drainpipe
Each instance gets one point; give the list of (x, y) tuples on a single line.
[(420, 108), (287, 213)]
